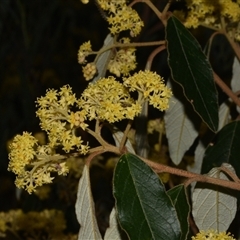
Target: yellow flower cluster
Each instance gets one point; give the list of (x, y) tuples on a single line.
[(105, 100), (209, 13), (76, 166), (124, 60), (59, 122), (90, 69), (111, 5), (151, 87), (121, 17), (155, 125), (108, 100), (48, 224), (84, 50), (22, 152), (33, 163), (213, 235)]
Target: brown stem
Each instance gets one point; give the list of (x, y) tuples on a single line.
[(165, 10), (209, 26), (96, 149), (226, 89), (193, 225), (230, 174), (198, 177), (124, 138), (234, 45), (100, 150), (210, 42), (98, 137), (152, 56), (92, 155), (97, 127), (191, 180), (126, 45), (159, 14)]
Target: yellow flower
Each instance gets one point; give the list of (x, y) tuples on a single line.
[(212, 235), (108, 100), (124, 61), (125, 18), (89, 71), (122, 17), (151, 87), (84, 50), (21, 152), (111, 5), (48, 224), (56, 118), (210, 12)]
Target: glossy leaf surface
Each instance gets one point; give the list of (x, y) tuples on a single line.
[(224, 149), (144, 209), (179, 198), (191, 69)]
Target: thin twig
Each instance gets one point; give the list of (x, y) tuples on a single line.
[(152, 56), (230, 174), (192, 176), (125, 134), (226, 89)]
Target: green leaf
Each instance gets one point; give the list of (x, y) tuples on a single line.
[(180, 201), (191, 69), (144, 209), (225, 149)]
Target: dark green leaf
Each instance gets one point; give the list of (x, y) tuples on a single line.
[(191, 69), (225, 149), (144, 209), (180, 201)]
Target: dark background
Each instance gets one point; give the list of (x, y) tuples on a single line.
[(39, 41)]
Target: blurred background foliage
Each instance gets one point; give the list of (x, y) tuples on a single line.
[(39, 41)]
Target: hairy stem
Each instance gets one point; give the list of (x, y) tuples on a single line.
[(152, 56), (226, 89), (159, 14), (192, 176), (126, 131)]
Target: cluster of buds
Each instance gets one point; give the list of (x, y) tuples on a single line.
[(124, 60), (212, 14), (121, 18)]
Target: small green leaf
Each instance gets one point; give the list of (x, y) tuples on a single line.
[(144, 209), (191, 69), (180, 201), (225, 148)]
